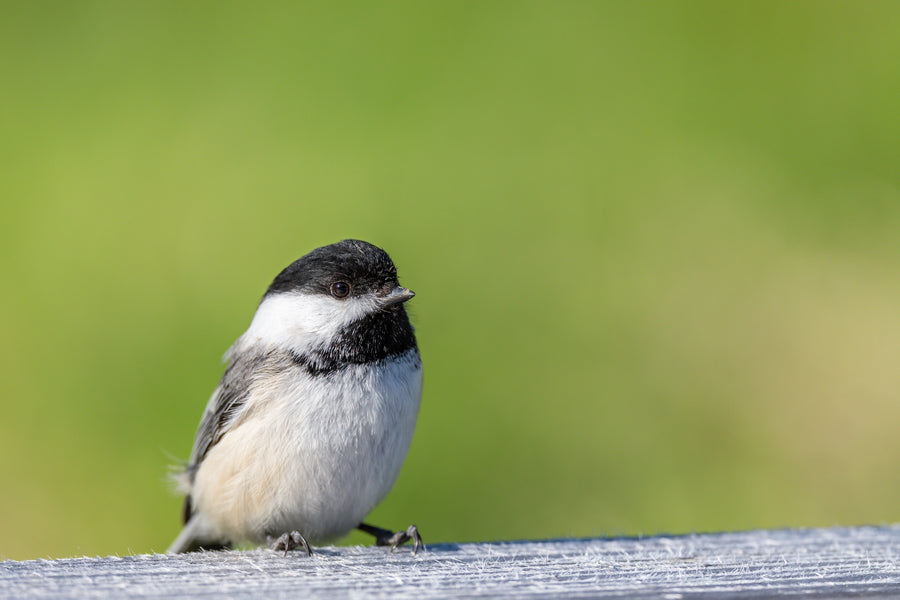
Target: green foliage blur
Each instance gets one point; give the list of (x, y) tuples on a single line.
[(655, 249)]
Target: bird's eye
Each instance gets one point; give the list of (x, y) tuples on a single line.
[(340, 289)]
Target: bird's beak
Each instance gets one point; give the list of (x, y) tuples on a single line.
[(397, 295)]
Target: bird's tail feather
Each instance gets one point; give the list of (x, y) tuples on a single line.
[(193, 538), (185, 539)]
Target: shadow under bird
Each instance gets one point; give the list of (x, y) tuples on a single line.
[(312, 420)]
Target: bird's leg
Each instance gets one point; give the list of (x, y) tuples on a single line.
[(386, 537), (289, 541)]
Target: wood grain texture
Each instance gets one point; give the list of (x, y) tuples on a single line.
[(812, 563)]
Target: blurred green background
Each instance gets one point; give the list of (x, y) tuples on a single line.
[(655, 247)]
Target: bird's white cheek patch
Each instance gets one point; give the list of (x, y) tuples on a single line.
[(299, 321)]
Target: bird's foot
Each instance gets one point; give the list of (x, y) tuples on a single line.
[(289, 541), (386, 537)]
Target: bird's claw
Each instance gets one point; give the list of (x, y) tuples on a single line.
[(401, 537), (289, 541)]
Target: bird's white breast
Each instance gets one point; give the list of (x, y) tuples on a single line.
[(311, 453)]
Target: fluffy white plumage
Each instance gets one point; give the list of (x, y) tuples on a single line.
[(303, 322)]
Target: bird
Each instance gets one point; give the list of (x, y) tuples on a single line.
[(312, 420)]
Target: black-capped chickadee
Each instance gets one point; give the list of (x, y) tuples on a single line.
[(313, 418)]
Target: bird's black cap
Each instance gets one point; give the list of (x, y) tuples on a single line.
[(365, 267)]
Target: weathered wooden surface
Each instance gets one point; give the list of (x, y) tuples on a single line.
[(817, 563)]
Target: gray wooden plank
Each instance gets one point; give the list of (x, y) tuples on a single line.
[(812, 563)]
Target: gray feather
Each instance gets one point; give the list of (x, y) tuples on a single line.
[(226, 404), (223, 410)]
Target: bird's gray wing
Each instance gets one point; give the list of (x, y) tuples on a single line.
[(226, 404), (225, 407)]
